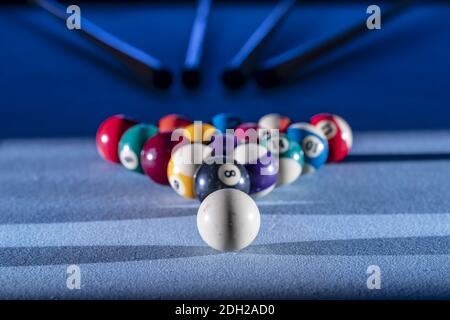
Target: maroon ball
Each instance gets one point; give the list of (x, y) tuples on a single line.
[(155, 156), (242, 132)]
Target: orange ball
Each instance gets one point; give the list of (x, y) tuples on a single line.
[(172, 122)]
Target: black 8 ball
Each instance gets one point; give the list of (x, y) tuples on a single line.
[(220, 173)]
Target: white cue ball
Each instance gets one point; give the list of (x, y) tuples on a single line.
[(228, 220)]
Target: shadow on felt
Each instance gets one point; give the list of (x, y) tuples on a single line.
[(435, 245), (397, 157), (41, 256)]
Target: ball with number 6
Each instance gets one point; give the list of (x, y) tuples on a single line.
[(313, 142), (338, 133), (220, 173), (132, 143)]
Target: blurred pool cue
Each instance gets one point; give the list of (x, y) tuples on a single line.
[(237, 71), (191, 70), (282, 67), (143, 64)]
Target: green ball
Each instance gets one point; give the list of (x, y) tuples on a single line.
[(131, 144), (292, 151), (291, 157)]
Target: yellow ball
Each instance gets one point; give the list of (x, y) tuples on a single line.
[(200, 132), (182, 184), (182, 166)]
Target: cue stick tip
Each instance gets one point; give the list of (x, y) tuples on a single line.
[(234, 78), (191, 78), (162, 79)]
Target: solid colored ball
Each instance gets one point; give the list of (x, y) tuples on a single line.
[(220, 173), (291, 158), (338, 133), (131, 144), (247, 132), (108, 135), (172, 122), (261, 165), (200, 132), (274, 121), (182, 167), (224, 121), (313, 142), (155, 156), (228, 220)]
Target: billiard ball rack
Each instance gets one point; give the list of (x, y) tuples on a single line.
[(167, 153)]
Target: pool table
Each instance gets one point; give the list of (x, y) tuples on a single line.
[(386, 205)]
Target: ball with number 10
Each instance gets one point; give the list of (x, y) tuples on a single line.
[(313, 142)]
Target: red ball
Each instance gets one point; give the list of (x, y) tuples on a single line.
[(108, 135), (172, 122), (338, 133), (243, 133), (155, 156)]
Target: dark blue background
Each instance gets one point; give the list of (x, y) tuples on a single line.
[(53, 83)]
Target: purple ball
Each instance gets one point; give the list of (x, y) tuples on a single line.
[(261, 165)]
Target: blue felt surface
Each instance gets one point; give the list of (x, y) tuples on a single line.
[(388, 205), (53, 83)]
